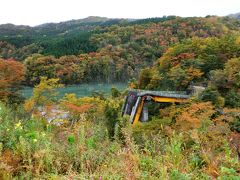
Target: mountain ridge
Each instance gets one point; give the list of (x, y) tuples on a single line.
[(89, 19), (235, 15)]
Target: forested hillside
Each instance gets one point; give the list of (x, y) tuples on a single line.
[(110, 49)]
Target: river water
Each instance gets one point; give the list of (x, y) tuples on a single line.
[(81, 90)]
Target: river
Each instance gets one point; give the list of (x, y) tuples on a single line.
[(81, 90)]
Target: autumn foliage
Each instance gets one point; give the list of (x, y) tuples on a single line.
[(87, 138), (43, 94), (77, 109), (195, 116), (11, 75)]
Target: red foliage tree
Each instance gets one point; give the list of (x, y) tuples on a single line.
[(11, 75)]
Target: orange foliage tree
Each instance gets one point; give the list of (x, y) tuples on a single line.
[(11, 76), (195, 116), (76, 106)]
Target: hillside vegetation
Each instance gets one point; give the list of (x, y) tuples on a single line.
[(44, 137), (117, 49), (188, 141)]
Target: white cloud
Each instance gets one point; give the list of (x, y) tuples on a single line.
[(34, 12)]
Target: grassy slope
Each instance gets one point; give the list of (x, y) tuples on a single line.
[(156, 150)]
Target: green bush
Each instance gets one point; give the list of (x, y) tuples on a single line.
[(233, 99), (111, 113), (214, 96), (235, 125), (115, 93)]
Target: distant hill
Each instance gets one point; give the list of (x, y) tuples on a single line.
[(236, 15), (72, 25), (90, 34), (64, 38), (27, 34), (8, 30)]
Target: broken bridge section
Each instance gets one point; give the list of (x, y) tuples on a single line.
[(134, 104)]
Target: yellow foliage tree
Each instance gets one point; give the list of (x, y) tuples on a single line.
[(43, 94)]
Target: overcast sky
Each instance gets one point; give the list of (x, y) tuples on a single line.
[(35, 12)]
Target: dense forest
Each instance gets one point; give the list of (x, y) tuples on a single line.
[(199, 139), (107, 49)]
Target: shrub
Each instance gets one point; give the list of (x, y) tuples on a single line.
[(235, 125), (233, 99), (213, 96), (112, 110), (115, 93)]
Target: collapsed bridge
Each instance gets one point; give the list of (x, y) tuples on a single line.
[(135, 102)]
